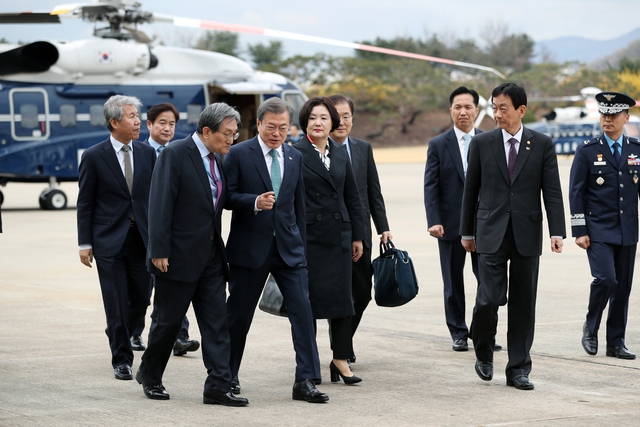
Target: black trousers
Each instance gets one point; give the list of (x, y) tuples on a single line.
[(171, 301), (612, 268), (340, 337), (245, 288), (361, 275), (126, 289), (521, 287), (184, 329)]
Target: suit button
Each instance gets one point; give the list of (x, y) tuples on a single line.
[(318, 196), (619, 172), (621, 185), (511, 193), (621, 212), (336, 215), (508, 213), (334, 195), (210, 237), (319, 217), (621, 198)]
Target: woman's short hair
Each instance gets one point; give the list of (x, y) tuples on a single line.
[(305, 112)]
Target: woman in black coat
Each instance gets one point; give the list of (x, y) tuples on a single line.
[(335, 228)]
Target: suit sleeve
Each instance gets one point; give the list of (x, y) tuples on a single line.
[(376, 201), (577, 193), (87, 183), (300, 205), (431, 185), (552, 192), (164, 191), (354, 205), (471, 190), (236, 200)]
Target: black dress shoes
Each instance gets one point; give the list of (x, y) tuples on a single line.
[(306, 390), (589, 341), (496, 346), (520, 383), (484, 370), (136, 343), (620, 352), (210, 397), (460, 345), (183, 345), (123, 372), (152, 391), (234, 385)]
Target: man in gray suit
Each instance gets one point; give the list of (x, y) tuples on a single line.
[(508, 169), (364, 168), (187, 255)]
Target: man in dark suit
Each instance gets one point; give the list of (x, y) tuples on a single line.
[(443, 185), (187, 256), (266, 195), (604, 220), (366, 173), (508, 169), (113, 201), (161, 122)]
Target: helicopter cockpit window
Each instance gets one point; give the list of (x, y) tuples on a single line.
[(29, 114), (296, 101), (68, 116), (96, 115), (193, 112)]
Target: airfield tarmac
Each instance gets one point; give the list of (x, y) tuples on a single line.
[(55, 363)]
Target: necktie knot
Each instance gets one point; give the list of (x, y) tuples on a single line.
[(513, 141), (160, 148), (616, 153), (274, 153), (513, 157), (126, 148), (466, 138)]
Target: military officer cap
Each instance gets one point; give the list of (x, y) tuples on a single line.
[(613, 102)]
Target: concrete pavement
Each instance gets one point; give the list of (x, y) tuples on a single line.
[(55, 363)]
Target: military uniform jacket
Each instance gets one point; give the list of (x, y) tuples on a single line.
[(603, 195)]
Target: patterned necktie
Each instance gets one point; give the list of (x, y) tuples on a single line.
[(513, 156), (467, 139), (276, 179), (616, 153), (218, 185), (128, 170)]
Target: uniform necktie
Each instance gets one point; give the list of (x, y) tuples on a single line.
[(216, 181), (276, 179), (128, 170), (513, 156), (616, 153), (467, 139), (160, 148)]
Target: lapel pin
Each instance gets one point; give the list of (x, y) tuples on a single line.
[(528, 142), (290, 158)]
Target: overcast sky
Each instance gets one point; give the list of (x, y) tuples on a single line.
[(359, 20)]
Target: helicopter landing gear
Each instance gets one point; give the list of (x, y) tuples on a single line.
[(1, 198), (52, 198)]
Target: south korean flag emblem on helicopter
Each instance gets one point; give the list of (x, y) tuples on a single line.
[(105, 57)]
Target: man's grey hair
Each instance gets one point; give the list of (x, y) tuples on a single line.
[(274, 105), (114, 107), (215, 114)]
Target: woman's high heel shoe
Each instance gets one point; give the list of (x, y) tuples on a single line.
[(336, 375)]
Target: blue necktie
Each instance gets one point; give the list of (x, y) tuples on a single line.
[(276, 179), (467, 139), (159, 149), (616, 153)]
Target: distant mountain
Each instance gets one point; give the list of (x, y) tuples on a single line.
[(581, 49)]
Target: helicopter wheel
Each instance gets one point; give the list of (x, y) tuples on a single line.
[(52, 199)]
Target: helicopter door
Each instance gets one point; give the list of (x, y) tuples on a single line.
[(29, 109)]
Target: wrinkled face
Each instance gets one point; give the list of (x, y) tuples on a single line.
[(463, 112), (162, 130), (273, 128), (506, 116), (319, 124), (221, 140), (346, 122), (612, 124), (128, 128)]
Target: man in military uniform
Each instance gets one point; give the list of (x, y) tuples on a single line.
[(604, 220)]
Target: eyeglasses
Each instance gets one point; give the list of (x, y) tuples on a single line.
[(346, 118), (281, 129), (232, 136)]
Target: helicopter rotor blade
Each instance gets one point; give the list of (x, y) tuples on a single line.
[(220, 26)]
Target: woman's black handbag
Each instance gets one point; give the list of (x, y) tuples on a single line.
[(272, 301), (395, 281)]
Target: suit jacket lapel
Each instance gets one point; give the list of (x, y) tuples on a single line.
[(312, 160), (257, 157), (194, 153), (497, 146), (111, 159), (356, 154), (454, 149), (339, 157), (288, 167), (221, 200), (139, 163), (526, 145)]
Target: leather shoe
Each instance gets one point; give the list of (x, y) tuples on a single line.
[(152, 391), (183, 345), (589, 341), (460, 345), (136, 343), (484, 370), (620, 352), (306, 390), (496, 346), (520, 383), (210, 396), (123, 372), (234, 385)]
